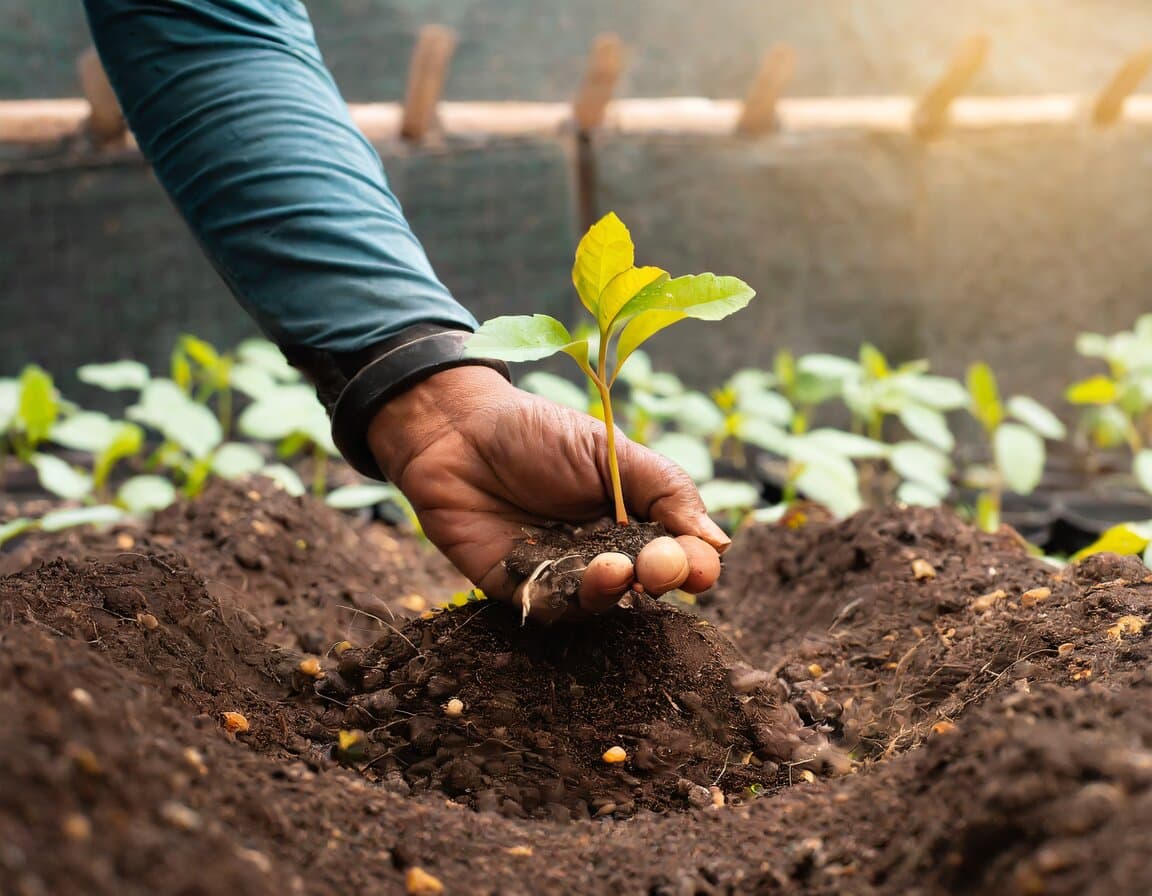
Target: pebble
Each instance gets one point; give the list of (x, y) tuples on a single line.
[(419, 882), (180, 816)]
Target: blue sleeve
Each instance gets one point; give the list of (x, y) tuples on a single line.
[(231, 103)]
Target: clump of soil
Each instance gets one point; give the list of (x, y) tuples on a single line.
[(518, 718), (557, 556)]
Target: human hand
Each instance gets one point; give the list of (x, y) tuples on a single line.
[(480, 460)]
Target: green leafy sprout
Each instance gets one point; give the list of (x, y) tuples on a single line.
[(1015, 431), (629, 305)]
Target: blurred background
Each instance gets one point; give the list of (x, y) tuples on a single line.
[(998, 237)]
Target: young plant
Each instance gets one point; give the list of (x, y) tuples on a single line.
[(1117, 405), (29, 408), (629, 305), (291, 416), (1016, 446)]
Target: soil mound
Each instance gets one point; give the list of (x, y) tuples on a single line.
[(519, 718)]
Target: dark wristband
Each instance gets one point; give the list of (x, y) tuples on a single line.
[(387, 376)]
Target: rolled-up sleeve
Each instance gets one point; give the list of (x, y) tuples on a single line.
[(231, 103)]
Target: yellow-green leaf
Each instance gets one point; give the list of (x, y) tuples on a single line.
[(127, 440), (1094, 390), (605, 252), (986, 406), (700, 296), (874, 362), (623, 287), (1117, 540), (39, 405), (639, 329), (199, 351)]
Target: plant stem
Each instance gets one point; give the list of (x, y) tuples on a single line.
[(319, 471), (613, 462), (224, 410)]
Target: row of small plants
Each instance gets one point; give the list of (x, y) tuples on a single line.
[(900, 445), (216, 414), (245, 412)]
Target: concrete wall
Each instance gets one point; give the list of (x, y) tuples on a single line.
[(997, 245)]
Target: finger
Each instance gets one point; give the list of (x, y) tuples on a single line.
[(703, 564), (606, 580), (658, 490), (661, 566)]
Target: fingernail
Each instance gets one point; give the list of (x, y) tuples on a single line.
[(713, 534)]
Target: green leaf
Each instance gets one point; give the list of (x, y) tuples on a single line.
[(285, 477), (234, 460), (181, 371), (940, 392), (355, 497), (99, 515), (923, 464), (285, 411), (1142, 469), (199, 351), (1122, 539), (829, 367), (88, 431), (846, 444), (1033, 414), (126, 441), (1094, 390), (146, 494), (263, 354), (1093, 345), (251, 380), (12, 528), (166, 408), (605, 252), (115, 377), (784, 368), (698, 414), (916, 494), (986, 406), (726, 495), (556, 388), (874, 362), (687, 452), (39, 404), (765, 405), (60, 478), (763, 434), (621, 290), (519, 337), (1019, 454), (928, 425), (826, 478)]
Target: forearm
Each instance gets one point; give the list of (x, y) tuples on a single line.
[(231, 103)]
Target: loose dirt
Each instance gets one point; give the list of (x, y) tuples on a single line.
[(893, 704)]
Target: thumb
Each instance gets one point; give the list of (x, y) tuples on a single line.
[(657, 490)]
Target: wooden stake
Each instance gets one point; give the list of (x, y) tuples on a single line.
[(105, 123), (758, 115), (930, 118), (427, 72), (1109, 105), (605, 64)]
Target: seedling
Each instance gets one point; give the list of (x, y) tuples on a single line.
[(293, 418), (29, 407), (1117, 405), (629, 305), (1016, 446)]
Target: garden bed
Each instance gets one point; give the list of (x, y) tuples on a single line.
[(890, 704)]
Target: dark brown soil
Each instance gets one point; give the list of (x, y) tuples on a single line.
[(998, 713)]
